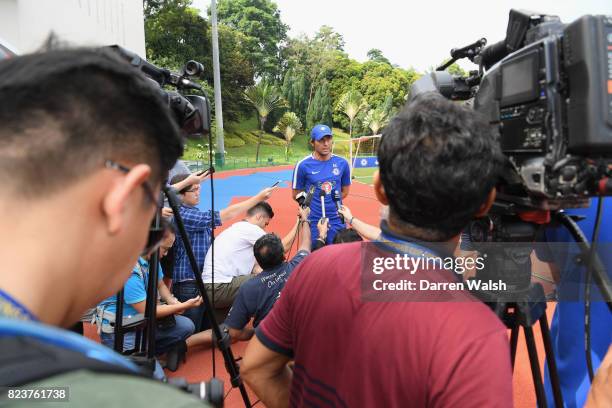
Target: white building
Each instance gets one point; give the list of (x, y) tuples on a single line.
[(25, 24)]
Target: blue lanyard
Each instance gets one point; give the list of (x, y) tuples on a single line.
[(11, 308), (396, 244)]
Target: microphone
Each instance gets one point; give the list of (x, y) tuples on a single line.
[(323, 202), (303, 199), (336, 198)]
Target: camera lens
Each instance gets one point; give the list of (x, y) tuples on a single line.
[(194, 68)]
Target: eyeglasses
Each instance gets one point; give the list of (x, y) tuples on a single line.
[(109, 164), (156, 234)]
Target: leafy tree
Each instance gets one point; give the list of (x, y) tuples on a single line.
[(259, 21), (295, 91), (265, 98), (350, 103), (176, 33), (320, 110), (329, 39), (376, 55), (289, 125)]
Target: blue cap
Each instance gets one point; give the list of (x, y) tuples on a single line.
[(320, 131)]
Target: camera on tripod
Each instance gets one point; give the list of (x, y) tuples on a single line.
[(547, 90), (192, 112)]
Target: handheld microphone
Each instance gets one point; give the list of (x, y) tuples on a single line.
[(303, 199), (308, 198), (323, 202), (336, 198)]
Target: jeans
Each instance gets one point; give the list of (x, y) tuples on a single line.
[(164, 339), (184, 291)]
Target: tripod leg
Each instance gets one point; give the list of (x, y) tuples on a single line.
[(513, 341), (535, 367), (550, 359)]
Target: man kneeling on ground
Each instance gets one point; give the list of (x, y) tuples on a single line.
[(257, 295)]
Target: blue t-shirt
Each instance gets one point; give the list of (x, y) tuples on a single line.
[(134, 291), (257, 295), (329, 176)]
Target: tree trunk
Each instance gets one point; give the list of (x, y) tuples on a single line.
[(350, 128), (261, 130), (287, 151)]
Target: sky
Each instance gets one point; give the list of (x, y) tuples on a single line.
[(418, 34)]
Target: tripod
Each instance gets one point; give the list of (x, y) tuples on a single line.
[(524, 303), (526, 308)]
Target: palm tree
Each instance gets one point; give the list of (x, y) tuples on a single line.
[(289, 125), (265, 98), (376, 119), (351, 103)]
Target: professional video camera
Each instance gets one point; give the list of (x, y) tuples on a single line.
[(548, 91), (192, 112)]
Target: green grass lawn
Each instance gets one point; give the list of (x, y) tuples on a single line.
[(241, 145)]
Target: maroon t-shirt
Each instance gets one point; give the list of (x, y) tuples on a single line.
[(352, 353)]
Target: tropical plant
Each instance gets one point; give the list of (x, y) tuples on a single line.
[(350, 103), (265, 98), (376, 119), (289, 125)]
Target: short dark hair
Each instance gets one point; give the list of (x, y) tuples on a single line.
[(346, 235), (261, 207), (64, 112), (438, 162), (269, 251)]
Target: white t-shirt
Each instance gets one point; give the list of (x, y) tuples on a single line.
[(233, 252)]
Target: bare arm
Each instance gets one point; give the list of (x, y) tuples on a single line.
[(345, 191), (241, 335), (364, 229), (193, 178), (305, 244), (266, 372), (165, 295), (288, 239), (167, 310), (237, 209)]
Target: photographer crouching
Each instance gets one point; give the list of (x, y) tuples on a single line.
[(85, 143)]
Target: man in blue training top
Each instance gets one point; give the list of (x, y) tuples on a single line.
[(329, 174)]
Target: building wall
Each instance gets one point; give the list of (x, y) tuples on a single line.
[(26, 24)]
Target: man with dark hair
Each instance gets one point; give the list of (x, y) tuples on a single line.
[(85, 143), (438, 166), (347, 235), (257, 295), (234, 258), (198, 225)]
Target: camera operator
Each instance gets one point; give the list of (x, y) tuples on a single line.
[(423, 354), (198, 227), (85, 144)]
